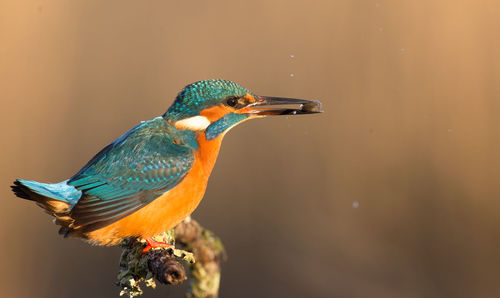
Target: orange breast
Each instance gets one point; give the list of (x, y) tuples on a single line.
[(172, 207)]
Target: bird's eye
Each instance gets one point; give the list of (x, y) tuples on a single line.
[(232, 101)]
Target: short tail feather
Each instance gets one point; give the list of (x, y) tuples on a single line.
[(56, 199)]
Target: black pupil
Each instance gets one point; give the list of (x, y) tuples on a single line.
[(232, 101)]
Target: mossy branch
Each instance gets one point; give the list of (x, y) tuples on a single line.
[(202, 251)]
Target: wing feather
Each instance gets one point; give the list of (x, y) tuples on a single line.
[(128, 174)]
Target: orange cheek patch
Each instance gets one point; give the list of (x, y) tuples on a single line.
[(216, 112), (249, 97)]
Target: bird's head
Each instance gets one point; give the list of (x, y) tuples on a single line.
[(215, 106)]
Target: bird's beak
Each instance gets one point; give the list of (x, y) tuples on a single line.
[(267, 105)]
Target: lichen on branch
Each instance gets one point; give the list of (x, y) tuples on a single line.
[(202, 251)]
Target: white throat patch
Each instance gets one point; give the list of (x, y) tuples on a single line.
[(195, 123)]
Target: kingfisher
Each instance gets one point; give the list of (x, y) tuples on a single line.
[(155, 175)]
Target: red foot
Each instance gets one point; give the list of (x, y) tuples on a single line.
[(154, 244)]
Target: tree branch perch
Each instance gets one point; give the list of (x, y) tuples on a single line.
[(202, 251)]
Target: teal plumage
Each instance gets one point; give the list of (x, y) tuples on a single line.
[(130, 173)]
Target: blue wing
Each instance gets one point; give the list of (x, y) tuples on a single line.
[(128, 174)]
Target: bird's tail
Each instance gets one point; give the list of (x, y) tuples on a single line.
[(56, 199)]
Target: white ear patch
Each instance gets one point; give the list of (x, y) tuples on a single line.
[(195, 123)]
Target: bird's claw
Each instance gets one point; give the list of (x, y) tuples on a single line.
[(151, 243)]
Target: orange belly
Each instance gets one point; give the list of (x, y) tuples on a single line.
[(170, 208)]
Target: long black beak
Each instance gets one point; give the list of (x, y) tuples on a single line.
[(265, 106)]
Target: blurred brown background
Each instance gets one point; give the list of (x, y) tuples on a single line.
[(392, 192)]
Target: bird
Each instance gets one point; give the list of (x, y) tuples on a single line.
[(155, 175)]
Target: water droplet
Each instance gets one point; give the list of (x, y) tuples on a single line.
[(292, 75), (355, 204)]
